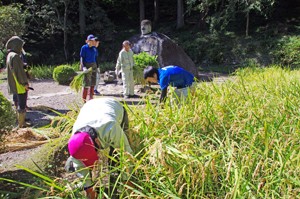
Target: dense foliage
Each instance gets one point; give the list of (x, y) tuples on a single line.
[(63, 74), (141, 61), (54, 34), (7, 117), (12, 22), (288, 51)]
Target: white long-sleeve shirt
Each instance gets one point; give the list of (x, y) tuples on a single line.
[(105, 115)]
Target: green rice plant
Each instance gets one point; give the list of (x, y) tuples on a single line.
[(237, 139), (77, 82)]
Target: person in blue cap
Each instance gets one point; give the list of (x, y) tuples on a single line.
[(88, 59), (173, 76)]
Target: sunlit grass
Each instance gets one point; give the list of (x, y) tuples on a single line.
[(42, 71), (238, 139)]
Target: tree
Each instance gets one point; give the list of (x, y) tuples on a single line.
[(180, 14), (248, 6), (156, 10), (81, 16), (142, 10), (12, 22), (63, 21)]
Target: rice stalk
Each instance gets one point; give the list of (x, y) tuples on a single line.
[(77, 81)]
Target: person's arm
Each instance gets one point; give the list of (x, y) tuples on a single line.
[(118, 65), (75, 165), (119, 139), (82, 67), (163, 95)]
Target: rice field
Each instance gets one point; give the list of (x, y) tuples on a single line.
[(237, 139)]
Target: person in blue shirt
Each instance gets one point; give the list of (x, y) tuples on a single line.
[(88, 59), (170, 76)]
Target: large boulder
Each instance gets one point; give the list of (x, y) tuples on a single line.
[(167, 51)]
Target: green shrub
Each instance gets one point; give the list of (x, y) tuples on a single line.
[(107, 66), (75, 66), (2, 58), (287, 52), (64, 74), (141, 61), (7, 116)]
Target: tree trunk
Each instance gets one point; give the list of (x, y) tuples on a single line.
[(201, 23), (66, 2), (180, 16), (156, 11), (81, 17), (247, 23), (142, 10)]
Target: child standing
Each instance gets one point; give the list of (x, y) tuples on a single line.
[(88, 56)]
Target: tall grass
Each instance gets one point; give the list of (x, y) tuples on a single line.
[(238, 139), (42, 71)]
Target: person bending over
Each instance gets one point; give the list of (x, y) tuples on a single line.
[(174, 76), (100, 124)]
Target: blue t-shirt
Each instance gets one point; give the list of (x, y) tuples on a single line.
[(88, 54), (174, 76)]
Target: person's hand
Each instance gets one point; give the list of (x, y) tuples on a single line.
[(27, 87), (91, 193), (85, 70)]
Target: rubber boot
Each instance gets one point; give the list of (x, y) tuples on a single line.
[(91, 92), (84, 94), (21, 120)]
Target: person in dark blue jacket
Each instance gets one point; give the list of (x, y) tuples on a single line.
[(170, 76)]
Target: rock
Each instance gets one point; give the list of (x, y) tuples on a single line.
[(109, 76), (167, 51)]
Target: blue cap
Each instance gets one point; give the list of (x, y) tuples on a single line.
[(91, 37)]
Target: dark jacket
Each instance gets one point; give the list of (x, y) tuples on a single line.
[(16, 76)]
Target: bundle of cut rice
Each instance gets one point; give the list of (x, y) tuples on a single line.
[(76, 83)]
